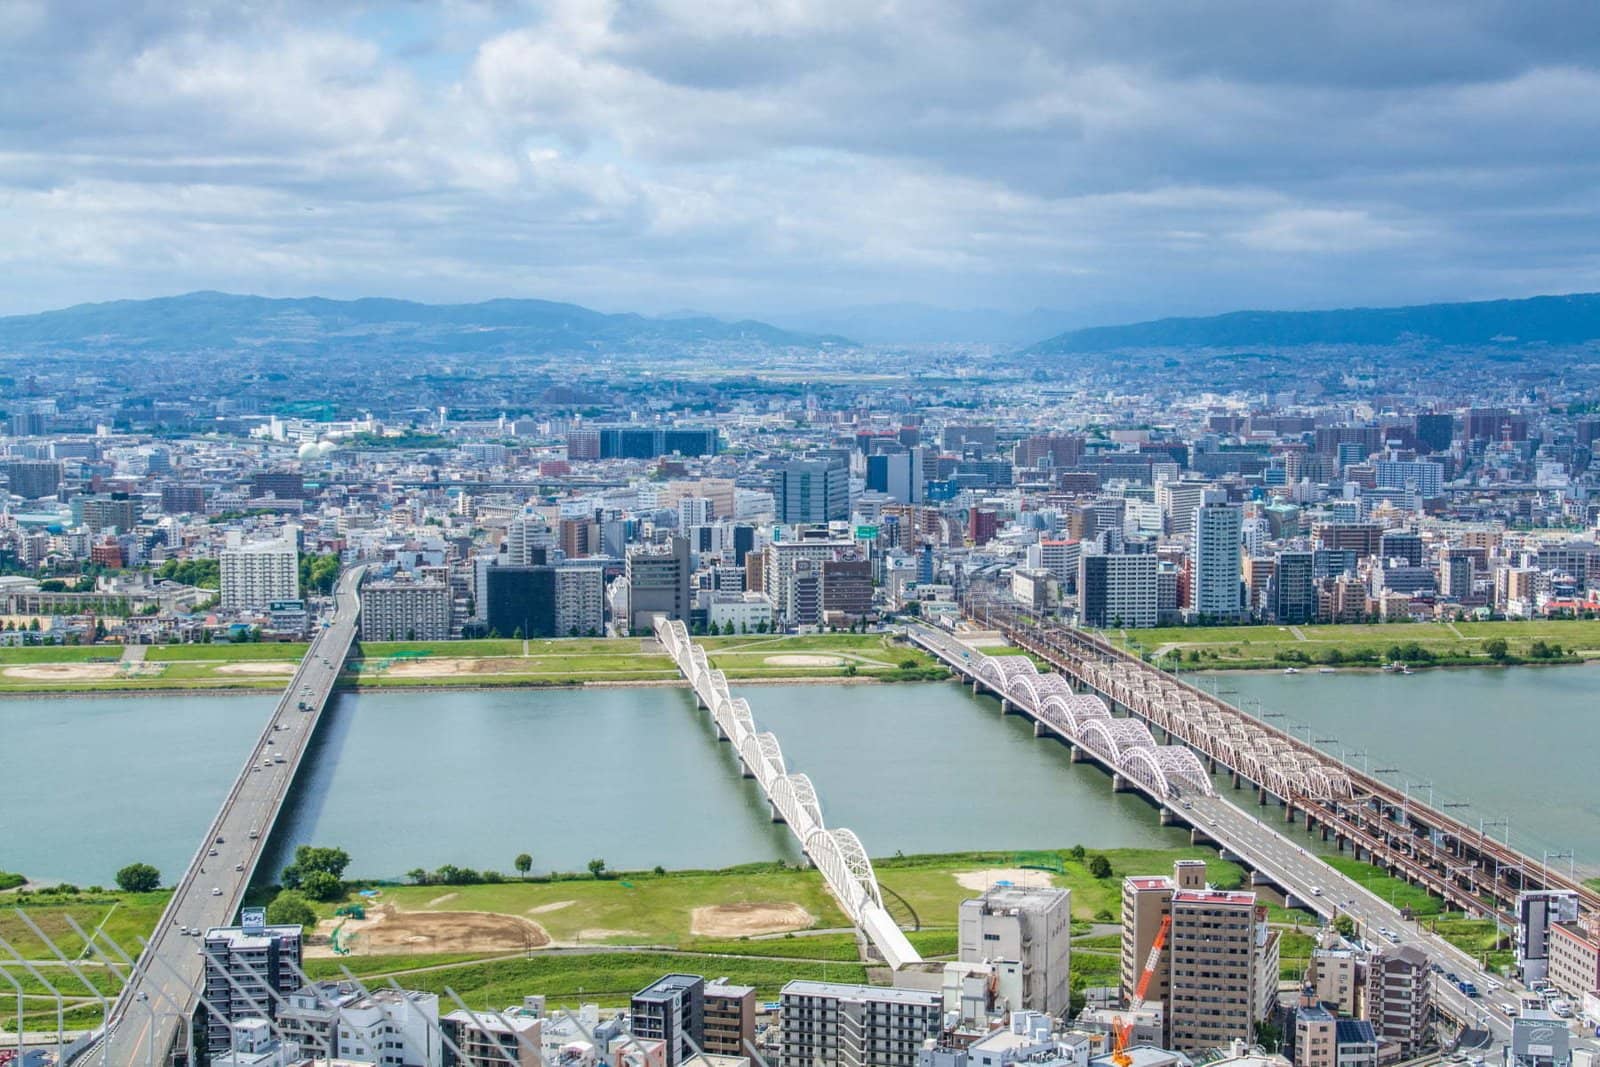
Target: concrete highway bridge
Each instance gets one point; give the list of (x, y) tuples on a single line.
[(836, 852), (164, 987)]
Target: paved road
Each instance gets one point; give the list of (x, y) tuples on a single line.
[(146, 1019)]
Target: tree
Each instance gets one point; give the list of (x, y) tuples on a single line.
[(417, 875), (1345, 925), (523, 863), (1496, 648), (1099, 866), (290, 908), (320, 885), (1077, 852), (309, 859), (597, 867), (138, 878)]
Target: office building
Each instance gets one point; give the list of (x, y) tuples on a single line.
[(1399, 998), (829, 1024), (405, 611), (1178, 501), (182, 499), (812, 491), (386, 1027), (730, 1019), (245, 966), (647, 442), (1117, 590), (898, 475), (256, 574), (1539, 1039), (112, 511), (1032, 926), (522, 601), (1292, 589), (1574, 966), (33, 478), (846, 588), (285, 485), (509, 1038), (578, 537), (659, 581), (1436, 431), (1537, 911), (672, 1010), (1423, 477), (1214, 556), (583, 445)]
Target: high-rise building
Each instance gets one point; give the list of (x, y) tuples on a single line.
[(117, 511), (672, 1010), (829, 1024), (285, 485), (1215, 558), (1537, 911), (580, 600), (522, 600), (1436, 431), (1423, 477), (257, 573), (242, 964), (897, 474), (1117, 590), (659, 580), (405, 611), (34, 478), (1218, 974), (1292, 589), (1399, 998), (1030, 926), (579, 537), (182, 499), (811, 491)]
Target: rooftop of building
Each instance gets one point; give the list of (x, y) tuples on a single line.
[(849, 991), (1025, 898), (1229, 897)]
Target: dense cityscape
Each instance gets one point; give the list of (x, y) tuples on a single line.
[(665, 533)]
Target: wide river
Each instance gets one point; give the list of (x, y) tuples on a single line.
[(1517, 744), (473, 777)]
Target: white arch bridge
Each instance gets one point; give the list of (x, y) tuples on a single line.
[(1124, 746), (836, 852)]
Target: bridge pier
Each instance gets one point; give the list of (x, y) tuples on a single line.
[(777, 816), (1200, 837), (1169, 817), (1005, 706), (1076, 754), (745, 771), (1039, 728), (1288, 811), (975, 687), (1119, 784), (1261, 796)]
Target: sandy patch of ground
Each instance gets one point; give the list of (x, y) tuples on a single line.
[(389, 931), (743, 920), (981, 881), (554, 905), (65, 672), (436, 901), (795, 660), (434, 668), (256, 668)]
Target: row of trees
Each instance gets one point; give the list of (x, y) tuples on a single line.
[(450, 874), (318, 873)]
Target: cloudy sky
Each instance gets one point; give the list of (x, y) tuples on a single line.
[(1114, 158)]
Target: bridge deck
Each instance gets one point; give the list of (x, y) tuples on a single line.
[(213, 886)]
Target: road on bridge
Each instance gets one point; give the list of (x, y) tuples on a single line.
[(144, 1020)]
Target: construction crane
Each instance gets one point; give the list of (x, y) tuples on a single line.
[(1121, 1031)]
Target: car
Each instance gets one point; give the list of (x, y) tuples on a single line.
[(213, 852), (1450, 976), (1316, 890), (215, 891), (1491, 985), (254, 833), (219, 839), (238, 866), (184, 930)]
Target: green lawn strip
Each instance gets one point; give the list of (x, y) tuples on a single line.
[(66, 983), (604, 977), (1386, 887), (485, 647), (225, 652), (60, 654), (1103, 942), (648, 909), (127, 917), (929, 884), (842, 947), (934, 943), (39, 1021)]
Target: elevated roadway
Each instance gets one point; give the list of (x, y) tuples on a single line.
[(213, 887)]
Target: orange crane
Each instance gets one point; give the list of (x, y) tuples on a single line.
[(1122, 1031)]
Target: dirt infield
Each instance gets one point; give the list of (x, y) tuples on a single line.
[(82, 672), (795, 660), (256, 668), (982, 881), (389, 931), (743, 920)]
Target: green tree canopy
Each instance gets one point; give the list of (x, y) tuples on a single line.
[(523, 863), (138, 878), (321, 885), (1099, 866), (291, 908)]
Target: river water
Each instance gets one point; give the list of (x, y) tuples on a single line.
[(473, 777), (1517, 744)]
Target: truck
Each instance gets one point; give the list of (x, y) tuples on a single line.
[(1468, 988)]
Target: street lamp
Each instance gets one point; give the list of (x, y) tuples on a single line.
[(1560, 853)]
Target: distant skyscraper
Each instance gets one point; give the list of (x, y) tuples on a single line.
[(1215, 558), (813, 491)]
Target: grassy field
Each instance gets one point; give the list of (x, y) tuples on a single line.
[(1224, 647), (486, 663)]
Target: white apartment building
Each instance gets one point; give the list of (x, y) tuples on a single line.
[(385, 1027), (405, 611), (257, 573), (830, 1024), (1215, 559), (580, 600)]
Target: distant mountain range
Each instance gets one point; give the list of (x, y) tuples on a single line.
[(892, 324), (224, 321), (1540, 320)]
